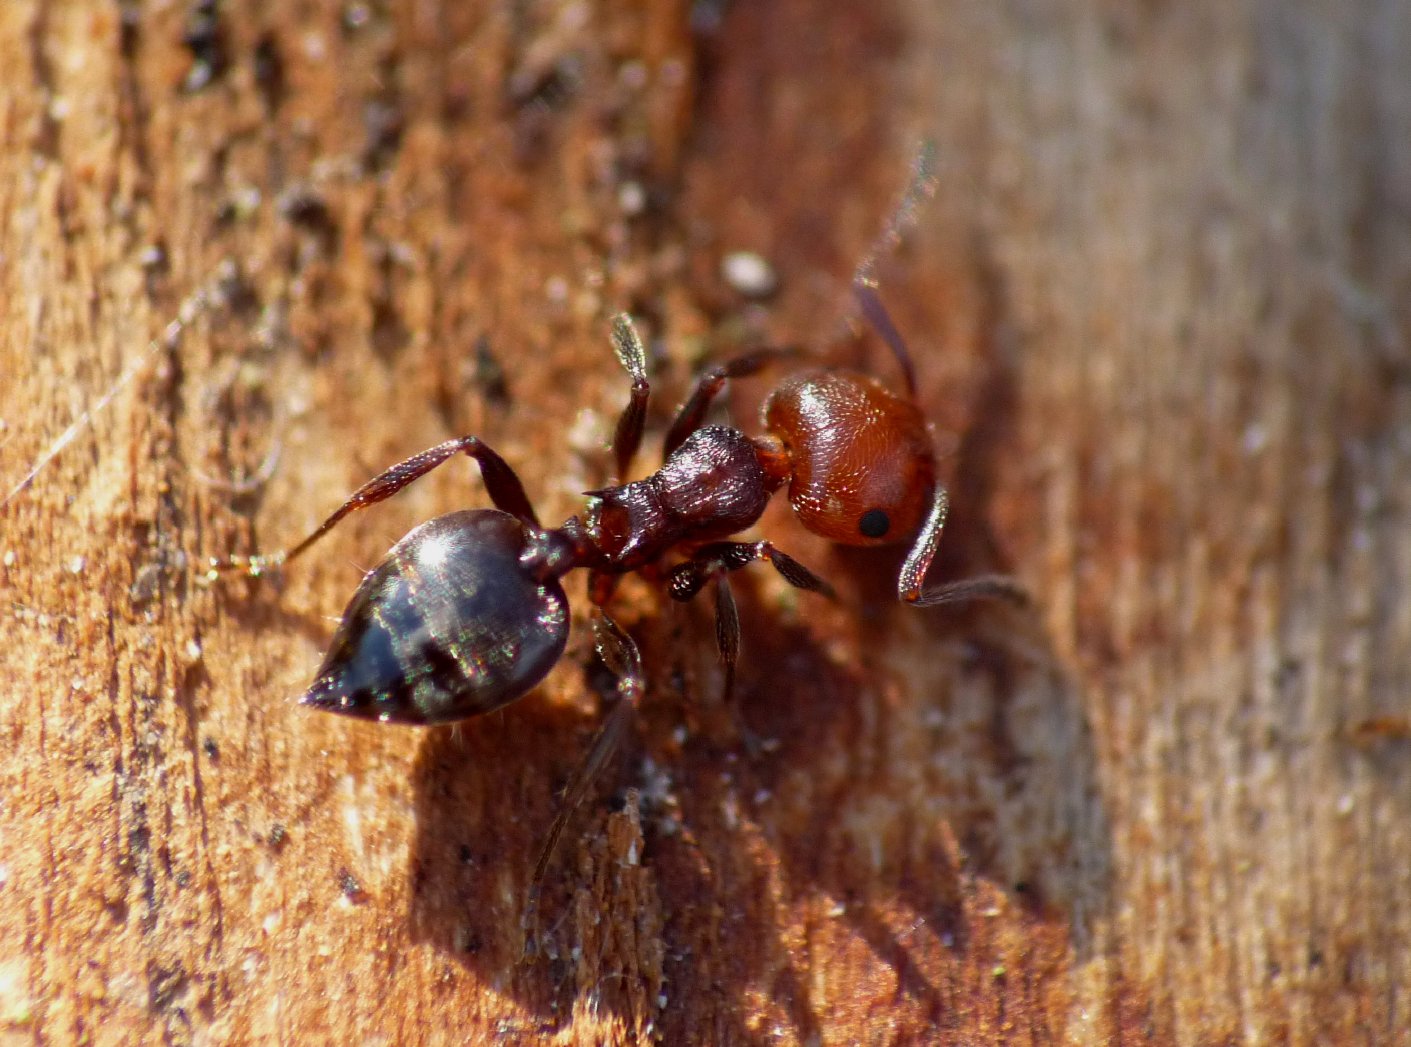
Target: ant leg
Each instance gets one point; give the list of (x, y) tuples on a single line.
[(708, 387), (715, 561), (619, 652), (685, 580), (911, 587), (501, 484), (627, 343), (727, 632)]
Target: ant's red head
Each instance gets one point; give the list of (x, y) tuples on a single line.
[(861, 467)]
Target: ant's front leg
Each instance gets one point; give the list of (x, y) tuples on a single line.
[(501, 483), (619, 652), (911, 587)]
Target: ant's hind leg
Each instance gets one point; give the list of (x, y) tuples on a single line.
[(501, 483), (619, 652), (911, 583)]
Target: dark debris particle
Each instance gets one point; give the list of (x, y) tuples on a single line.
[(383, 123), (350, 886), (139, 840), (303, 206), (210, 748), (548, 87), (234, 290), (153, 258), (165, 985), (182, 878), (205, 38), (146, 584), (277, 835)]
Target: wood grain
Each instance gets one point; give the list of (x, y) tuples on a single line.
[(1159, 309)]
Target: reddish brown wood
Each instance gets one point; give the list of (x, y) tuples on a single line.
[(1159, 309)]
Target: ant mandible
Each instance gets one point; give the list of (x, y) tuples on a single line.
[(466, 613)]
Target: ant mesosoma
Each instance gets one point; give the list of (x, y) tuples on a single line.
[(466, 613)]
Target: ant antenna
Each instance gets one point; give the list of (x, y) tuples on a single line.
[(209, 295), (919, 189)]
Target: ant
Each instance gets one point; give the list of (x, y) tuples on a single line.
[(466, 613)]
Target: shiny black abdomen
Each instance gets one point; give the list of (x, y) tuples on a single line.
[(446, 627)]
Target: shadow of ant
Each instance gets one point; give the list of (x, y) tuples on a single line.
[(840, 827)]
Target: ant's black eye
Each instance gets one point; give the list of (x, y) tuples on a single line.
[(874, 523)]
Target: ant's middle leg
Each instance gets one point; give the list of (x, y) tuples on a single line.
[(715, 562), (501, 483)]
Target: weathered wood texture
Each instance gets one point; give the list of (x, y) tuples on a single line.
[(1160, 306)]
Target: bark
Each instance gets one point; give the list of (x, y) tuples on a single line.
[(1158, 307)]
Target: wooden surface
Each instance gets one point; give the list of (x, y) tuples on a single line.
[(1160, 311)]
